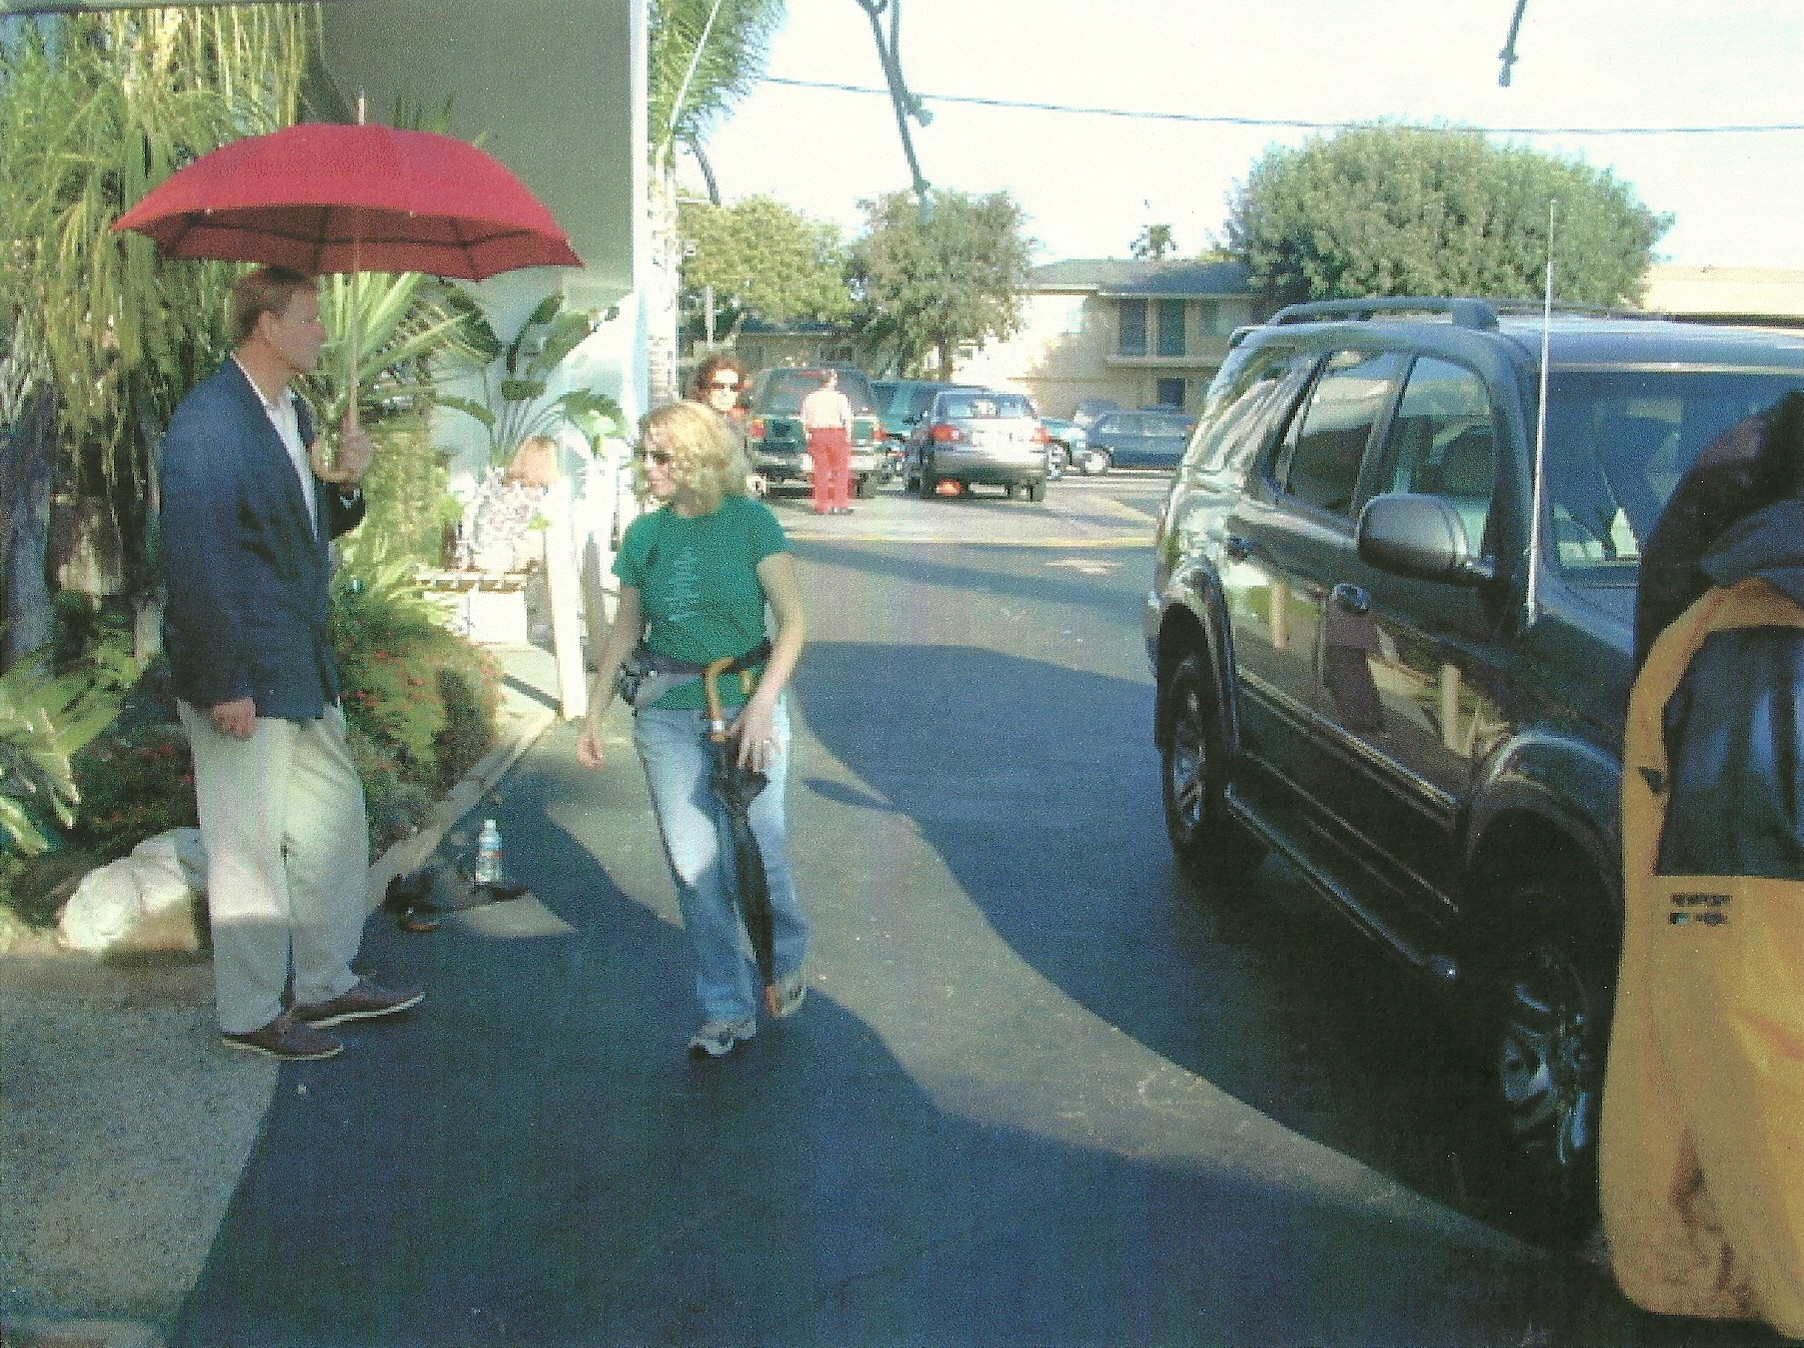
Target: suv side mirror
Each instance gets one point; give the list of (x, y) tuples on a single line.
[(1420, 536)]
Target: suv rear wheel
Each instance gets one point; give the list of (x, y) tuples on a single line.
[(1193, 777), (1545, 1028)]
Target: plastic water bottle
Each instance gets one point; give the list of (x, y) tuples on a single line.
[(488, 854)]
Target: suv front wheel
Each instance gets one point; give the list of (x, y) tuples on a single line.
[(1193, 776)]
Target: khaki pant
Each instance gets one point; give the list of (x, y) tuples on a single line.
[(282, 819)]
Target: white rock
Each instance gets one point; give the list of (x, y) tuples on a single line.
[(141, 902)]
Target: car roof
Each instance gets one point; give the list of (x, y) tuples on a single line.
[(1573, 338)]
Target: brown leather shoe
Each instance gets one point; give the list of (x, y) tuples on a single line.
[(365, 1001), (287, 1039)]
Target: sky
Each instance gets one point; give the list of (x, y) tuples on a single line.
[(1090, 182)]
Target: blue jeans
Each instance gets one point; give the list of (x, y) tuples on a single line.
[(698, 843)]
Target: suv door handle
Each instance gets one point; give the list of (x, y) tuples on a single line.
[(1237, 548), (1350, 599)]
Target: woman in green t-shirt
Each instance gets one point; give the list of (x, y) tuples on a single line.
[(696, 575)]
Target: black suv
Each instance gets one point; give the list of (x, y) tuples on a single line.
[(1383, 651), (778, 446)]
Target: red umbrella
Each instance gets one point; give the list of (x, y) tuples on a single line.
[(324, 197)]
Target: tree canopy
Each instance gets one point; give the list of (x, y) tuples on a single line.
[(1401, 210), (763, 260), (941, 273)]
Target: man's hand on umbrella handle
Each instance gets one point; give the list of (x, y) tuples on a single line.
[(588, 748), (355, 450)]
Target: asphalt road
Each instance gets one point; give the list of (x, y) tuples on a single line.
[(1043, 1091)]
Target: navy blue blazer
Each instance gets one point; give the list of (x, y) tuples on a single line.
[(247, 578)]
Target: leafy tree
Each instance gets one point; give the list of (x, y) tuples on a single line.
[(1402, 210), (939, 274), (1154, 243), (763, 260)]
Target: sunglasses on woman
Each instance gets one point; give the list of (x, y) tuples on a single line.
[(725, 385), (661, 457)]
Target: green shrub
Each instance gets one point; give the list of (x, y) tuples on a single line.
[(408, 491), (420, 699), (135, 782)]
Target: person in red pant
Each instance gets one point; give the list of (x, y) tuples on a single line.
[(827, 419)]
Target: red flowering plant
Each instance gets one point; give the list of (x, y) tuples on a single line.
[(135, 783), (420, 699)]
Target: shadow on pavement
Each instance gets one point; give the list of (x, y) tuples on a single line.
[(529, 1160)]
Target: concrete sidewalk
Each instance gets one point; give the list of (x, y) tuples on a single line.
[(124, 1126)]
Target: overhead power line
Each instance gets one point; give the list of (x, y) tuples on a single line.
[(1291, 123)]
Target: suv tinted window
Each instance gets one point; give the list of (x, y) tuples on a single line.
[(1320, 462), (1441, 443), (1246, 388), (1619, 440), (783, 395)]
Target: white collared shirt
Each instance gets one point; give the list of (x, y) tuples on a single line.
[(287, 421)]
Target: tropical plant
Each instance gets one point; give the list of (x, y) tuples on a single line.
[(94, 111), (404, 322), (1409, 210), (516, 378), (44, 719), (939, 273), (692, 81)]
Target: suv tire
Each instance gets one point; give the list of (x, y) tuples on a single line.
[(1193, 777), (1544, 1029)]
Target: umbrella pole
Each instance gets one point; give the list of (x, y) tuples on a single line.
[(354, 385)]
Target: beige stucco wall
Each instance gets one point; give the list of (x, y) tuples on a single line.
[(1067, 350), (1741, 291)]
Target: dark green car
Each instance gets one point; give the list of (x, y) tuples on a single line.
[(1383, 653), (777, 445)]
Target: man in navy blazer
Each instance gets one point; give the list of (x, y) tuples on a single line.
[(249, 509)]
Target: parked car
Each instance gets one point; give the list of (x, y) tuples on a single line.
[(1089, 409), (1069, 442), (978, 435), (1353, 671), (901, 403), (1140, 439), (777, 445)]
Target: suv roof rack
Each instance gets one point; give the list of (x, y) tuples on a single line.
[(1465, 313)]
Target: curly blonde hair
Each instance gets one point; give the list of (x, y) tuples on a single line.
[(706, 462)]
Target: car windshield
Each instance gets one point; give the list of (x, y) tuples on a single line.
[(784, 393), (985, 406), (1618, 441)]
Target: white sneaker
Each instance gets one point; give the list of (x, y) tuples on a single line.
[(717, 1038)]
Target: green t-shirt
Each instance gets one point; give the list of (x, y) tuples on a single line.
[(698, 586)]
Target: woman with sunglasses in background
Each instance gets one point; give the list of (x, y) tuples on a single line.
[(721, 383), (696, 575)]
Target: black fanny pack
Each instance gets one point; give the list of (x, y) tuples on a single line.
[(647, 674)]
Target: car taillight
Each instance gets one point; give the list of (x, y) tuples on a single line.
[(1040, 436), (945, 434), (755, 428)]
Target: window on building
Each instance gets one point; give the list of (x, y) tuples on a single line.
[(1170, 392), (1133, 327), (1171, 328)]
